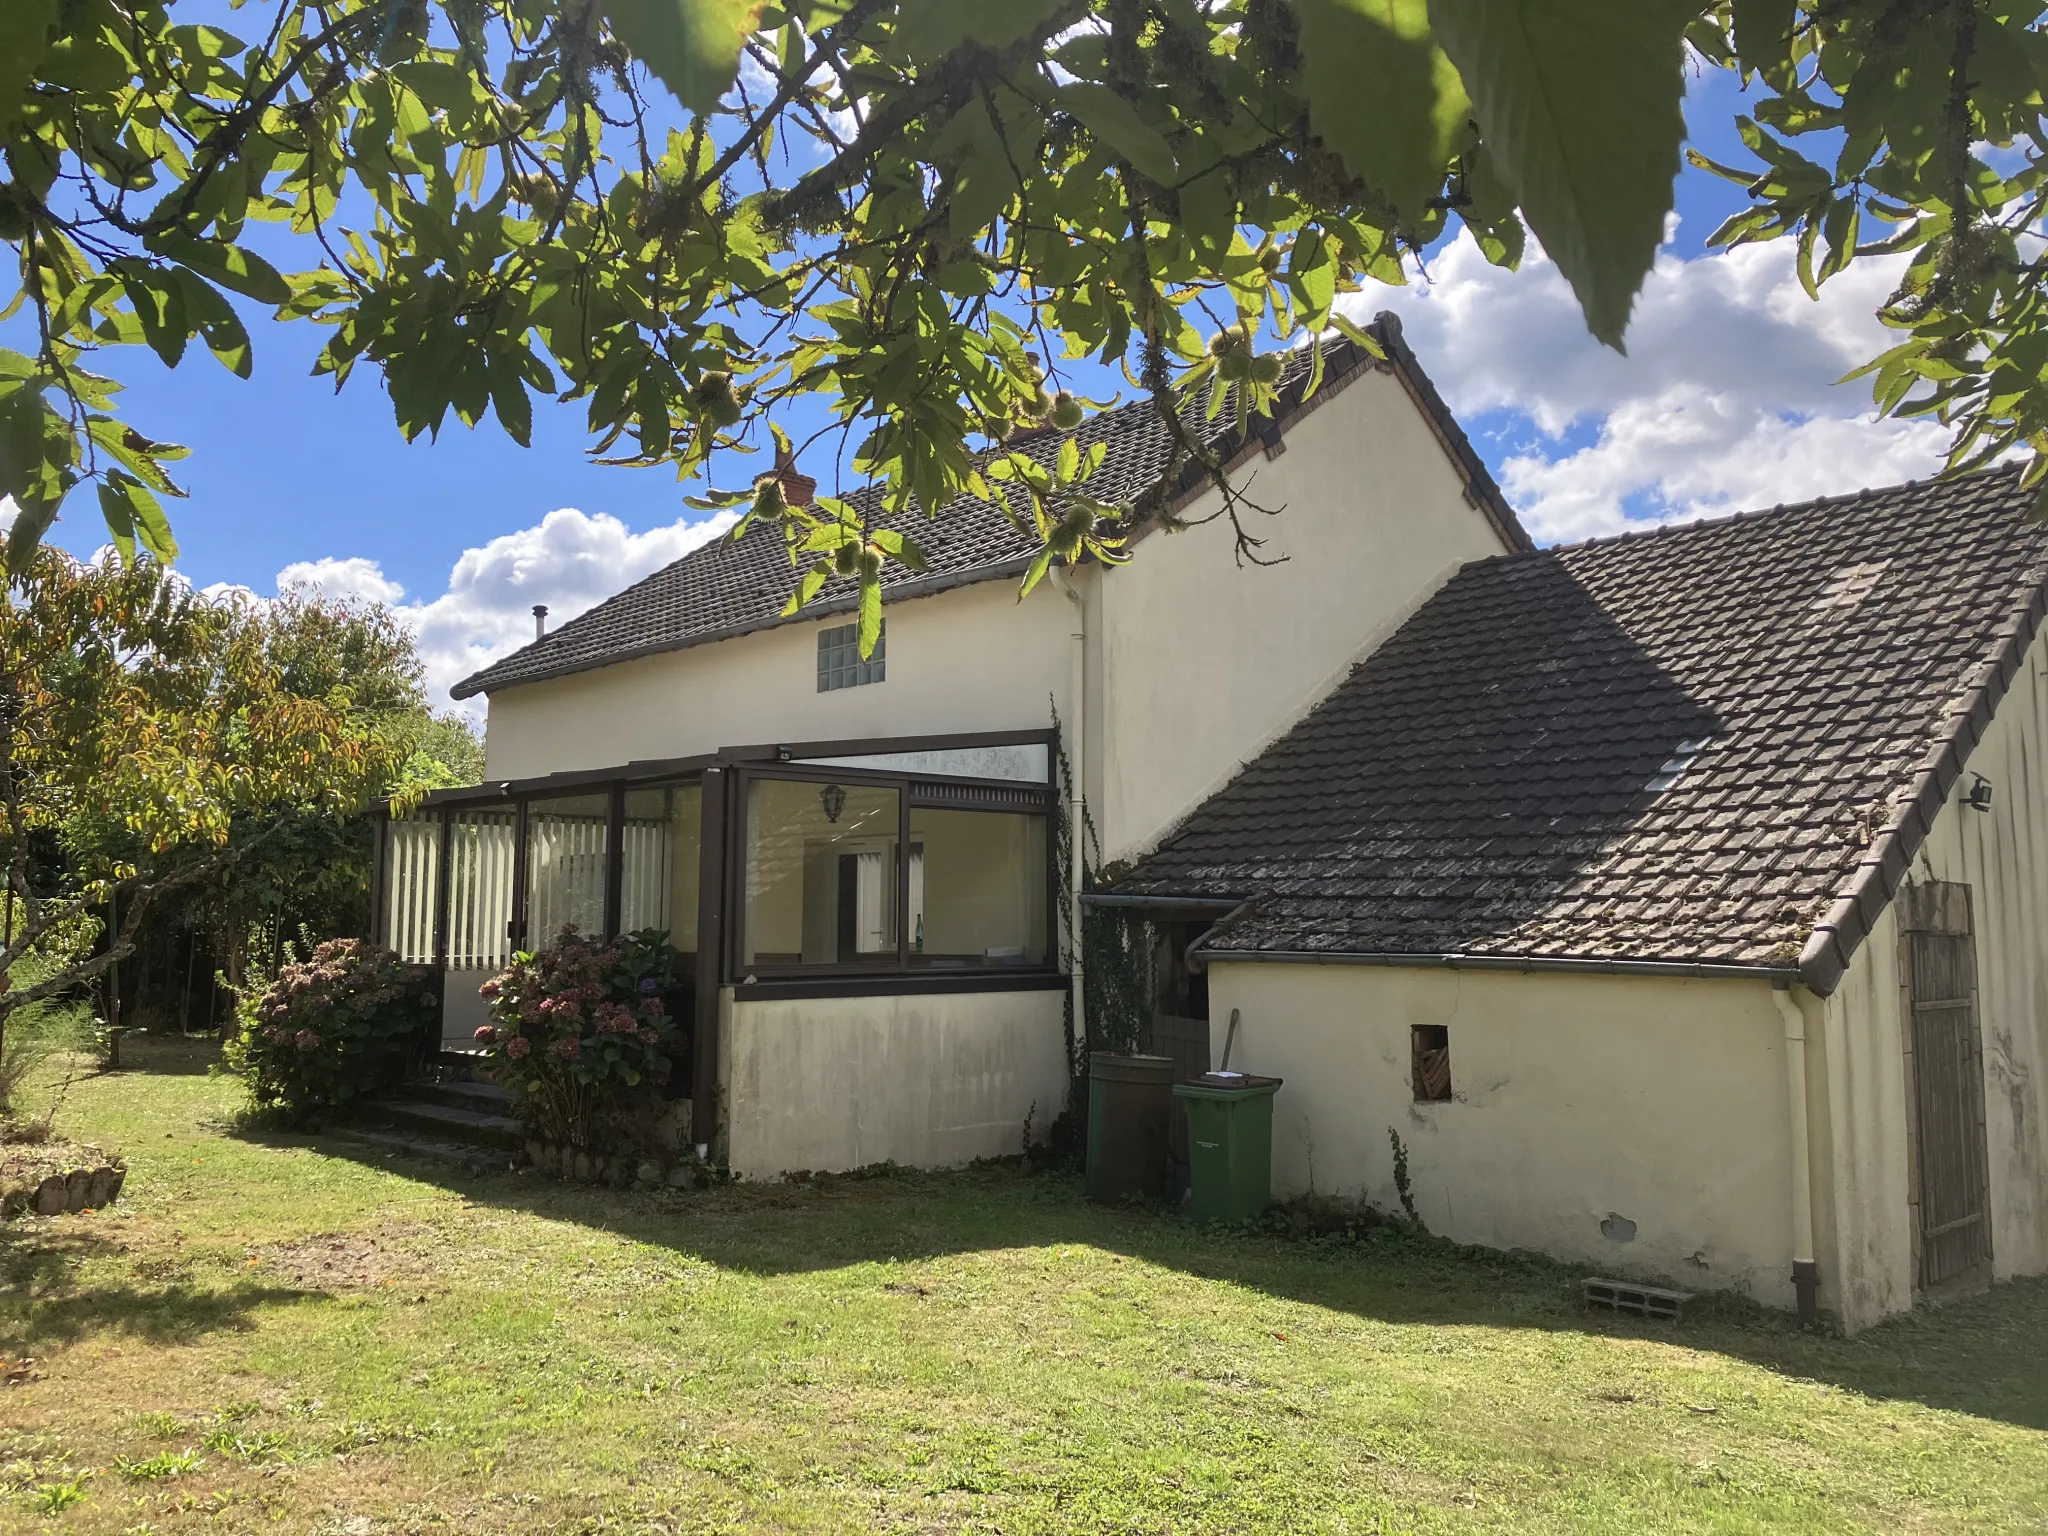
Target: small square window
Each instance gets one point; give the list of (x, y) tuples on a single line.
[(1431, 1046), (839, 659)]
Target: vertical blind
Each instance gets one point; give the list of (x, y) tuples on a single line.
[(646, 878), (565, 875), (480, 890), (412, 862)]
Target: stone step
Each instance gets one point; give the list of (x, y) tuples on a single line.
[(447, 1122), (484, 1098), (456, 1064)]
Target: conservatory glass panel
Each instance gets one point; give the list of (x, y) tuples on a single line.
[(480, 850), (658, 881), (821, 874), (565, 851), (412, 877), (977, 888)]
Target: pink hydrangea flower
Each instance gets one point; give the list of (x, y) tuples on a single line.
[(486, 1035), (649, 1037), (568, 1047), (307, 1040), (517, 1047)]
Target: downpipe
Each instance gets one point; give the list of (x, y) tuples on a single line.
[(1805, 1272), (1076, 729)]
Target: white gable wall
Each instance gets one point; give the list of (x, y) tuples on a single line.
[(970, 659), (1199, 663), (2002, 855), (1196, 663)]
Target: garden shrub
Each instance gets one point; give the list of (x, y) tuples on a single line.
[(582, 1032), (338, 1026), (33, 1034)]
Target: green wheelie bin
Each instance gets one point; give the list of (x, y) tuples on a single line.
[(1230, 1144)]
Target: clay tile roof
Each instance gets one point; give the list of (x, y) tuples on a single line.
[(731, 587), (1714, 745)]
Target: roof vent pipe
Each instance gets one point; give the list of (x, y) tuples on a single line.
[(540, 621)]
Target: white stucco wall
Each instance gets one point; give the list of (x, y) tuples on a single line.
[(971, 659), (1196, 662), (830, 1084), (1577, 1099), (2002, 855), (1199, 662)]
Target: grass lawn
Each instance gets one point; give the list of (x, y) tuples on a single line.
[(286, 1334)]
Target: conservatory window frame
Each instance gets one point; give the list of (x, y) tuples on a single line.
[(725, 778), (914, 792)]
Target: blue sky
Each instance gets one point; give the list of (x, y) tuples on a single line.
[(1727, 393)]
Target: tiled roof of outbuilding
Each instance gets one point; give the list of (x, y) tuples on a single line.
[(733, 586), (1717, 744)]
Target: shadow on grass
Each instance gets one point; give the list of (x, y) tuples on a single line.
[(1980, 1356), (46, 1301), (168, 1055)]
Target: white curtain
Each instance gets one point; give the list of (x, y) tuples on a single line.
[(871, 904)]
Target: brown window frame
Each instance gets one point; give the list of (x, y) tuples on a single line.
[(1438, 1038), (914, 791), (721, 898)]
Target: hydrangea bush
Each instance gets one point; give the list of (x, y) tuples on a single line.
[(334, 1027), (582, 1030)]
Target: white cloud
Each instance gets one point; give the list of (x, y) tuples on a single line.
[(355, 577), (1726, 400), (570, 560)]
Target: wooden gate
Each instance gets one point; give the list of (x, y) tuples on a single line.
[(1187, 1042), (1945, 1084)]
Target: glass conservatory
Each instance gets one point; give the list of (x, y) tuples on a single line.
[(812, 870)]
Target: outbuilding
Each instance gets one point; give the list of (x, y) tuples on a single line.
[(1676, 901)]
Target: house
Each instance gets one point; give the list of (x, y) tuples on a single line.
[(860, 858), (1677, 899), (1674, 900)]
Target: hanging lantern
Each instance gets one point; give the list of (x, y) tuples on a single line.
[(833, 799)]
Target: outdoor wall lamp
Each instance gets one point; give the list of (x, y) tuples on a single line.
[(1979, 797), (833, 799)]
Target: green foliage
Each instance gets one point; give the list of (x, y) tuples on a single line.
[(1591, 164), (54, 1024), (295, 863), (692, 45), (35, 1035), (333, 1028), (1913, 101), (897, 203), (55, 1498), (164, 1464), (148, 743), (1116, 944), (1399, 125), (1402, 1186), (581, 1030)]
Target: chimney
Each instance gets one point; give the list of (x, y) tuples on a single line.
[(540, 621), (797, 488)]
